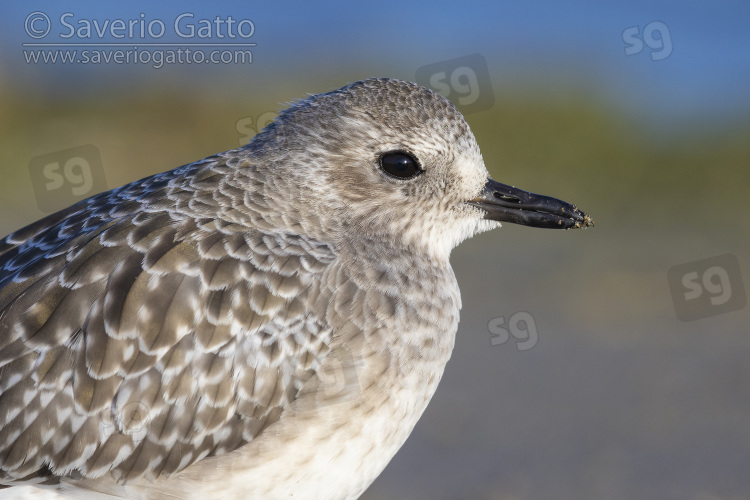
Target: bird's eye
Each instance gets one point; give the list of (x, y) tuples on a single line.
[(400, 165)]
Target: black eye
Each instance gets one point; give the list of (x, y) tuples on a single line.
[(399, 164)]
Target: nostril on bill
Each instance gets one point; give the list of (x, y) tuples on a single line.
[(507, 197)]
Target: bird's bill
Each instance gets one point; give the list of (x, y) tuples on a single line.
[(505, 203)]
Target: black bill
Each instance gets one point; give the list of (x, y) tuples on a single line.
[(509, 204)]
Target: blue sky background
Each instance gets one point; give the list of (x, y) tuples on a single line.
[(552, 44)]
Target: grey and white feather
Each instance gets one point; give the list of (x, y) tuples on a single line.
[(177, 337)]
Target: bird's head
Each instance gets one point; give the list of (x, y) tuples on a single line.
[(394, 161)]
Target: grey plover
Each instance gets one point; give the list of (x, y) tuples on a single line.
[(269, 322)]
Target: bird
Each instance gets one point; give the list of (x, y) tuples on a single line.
[(268, 322)]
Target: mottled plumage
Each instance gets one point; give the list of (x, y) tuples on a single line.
[(264, 322)]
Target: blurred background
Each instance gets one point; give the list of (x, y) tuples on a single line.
[(605, 363)]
